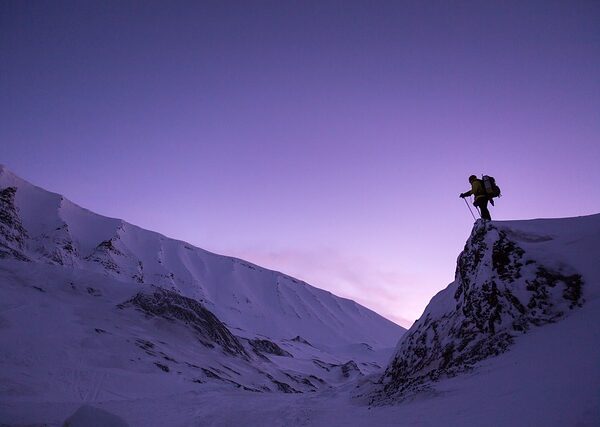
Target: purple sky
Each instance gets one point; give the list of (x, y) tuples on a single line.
[(325, 139)]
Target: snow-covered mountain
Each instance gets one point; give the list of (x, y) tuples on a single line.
[(40, 226), (98, 315), (511, 279), (93, 308)]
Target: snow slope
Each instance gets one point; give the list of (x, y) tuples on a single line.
[(45, 227), (73, 335), (530, 289), (95, 309), (513, 341)]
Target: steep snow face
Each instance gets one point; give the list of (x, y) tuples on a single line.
[(510, 278), (94, 308), (40, 226)]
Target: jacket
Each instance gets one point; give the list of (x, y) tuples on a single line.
[(477, 190)]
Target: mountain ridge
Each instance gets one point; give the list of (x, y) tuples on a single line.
[(48, 227), (511, 277), (510, 342)]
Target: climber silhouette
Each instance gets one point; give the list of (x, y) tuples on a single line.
[(481, 198)]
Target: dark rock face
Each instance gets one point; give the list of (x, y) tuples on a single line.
[(12, 233), (55, 246), (324, 365), (172, 306), (285, 387), (346, 370), (107, 254), (17, 243), (301, 340), (499, 294), (164, 368), (220, 376), (349, 368), (265, 346), (305, 381)]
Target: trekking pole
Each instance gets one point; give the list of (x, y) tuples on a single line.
[(470, 210)]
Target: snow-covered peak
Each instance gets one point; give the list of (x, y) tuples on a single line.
[(45, 227), (8, 178), (511, 277), (100, 312)]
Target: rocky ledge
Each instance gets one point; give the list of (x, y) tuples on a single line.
[(499, 292), (172, 306)]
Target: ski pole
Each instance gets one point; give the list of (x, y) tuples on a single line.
[(470, 210)]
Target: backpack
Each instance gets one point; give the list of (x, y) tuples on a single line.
[(490, 187)]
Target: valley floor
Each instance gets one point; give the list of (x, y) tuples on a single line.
[(551, 378)]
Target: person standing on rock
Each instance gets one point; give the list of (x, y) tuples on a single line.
[(481, 198)]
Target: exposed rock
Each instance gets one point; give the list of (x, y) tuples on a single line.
[(12, 232), (324, 365), (56, 246), (93, 291), (320, 380), (301, 340), (497, 295), (147, 346), (107, 254), (211, 374), (285, 387), (232, 370), (165, 368), (301, 380), (139, 275), (172, 306), (269, 347), (350, 368)]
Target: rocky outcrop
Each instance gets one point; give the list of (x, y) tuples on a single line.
[(263, 346), (12, 233), (57, 247), (499, 292), (301, 340), (108, 255), (349, 369), (54, 246), (171, 306)]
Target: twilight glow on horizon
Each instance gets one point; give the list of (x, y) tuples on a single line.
[(328, 140)]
